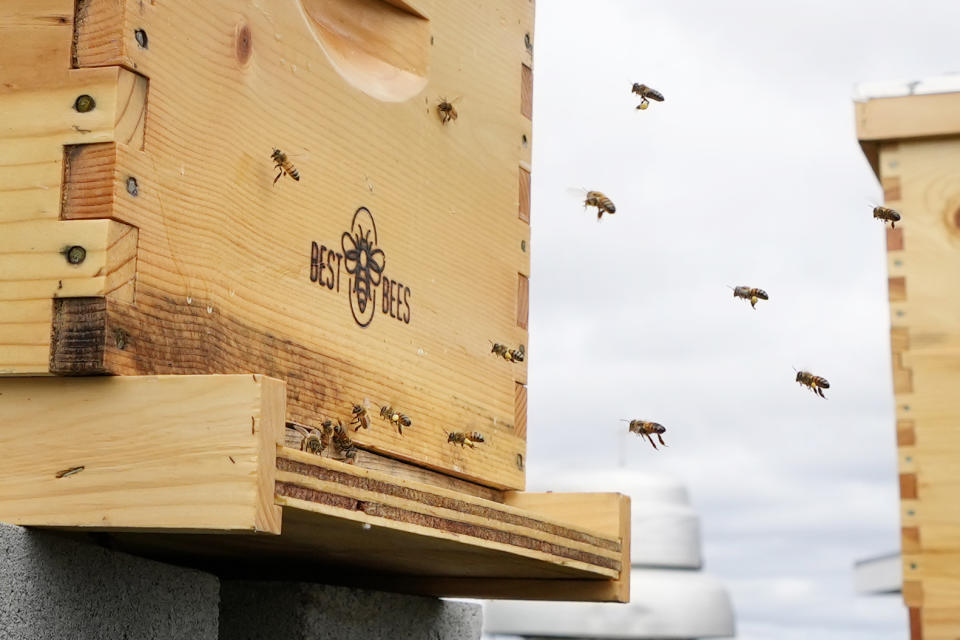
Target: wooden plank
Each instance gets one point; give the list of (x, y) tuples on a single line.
[(173, 453), (908, 486), (526, 91), (908, 117), (897, 288), (916, 623), (894, 239), (211, 302), (906, 434), (523, 300), (46, 260)]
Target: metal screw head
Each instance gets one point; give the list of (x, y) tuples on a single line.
[(913, 565), (911, 512), (120, 338), (523, 140), (84, 103), (76, 254), (141, 37), (132, 186), (520, 461), (523, 245), (527, 42)]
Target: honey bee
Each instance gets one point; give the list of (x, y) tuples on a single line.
[(601, 202), (446, 110), (465, 439), (314, 441), (360, 416), (518, 354), (400, 420), (645, 429), (646, 94), (284, 165), (816, 383), (750, 293), (885, 214), (343, 443)]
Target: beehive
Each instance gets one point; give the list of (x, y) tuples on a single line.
[(913, 145), (147, 233)]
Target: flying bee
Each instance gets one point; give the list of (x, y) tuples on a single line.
[(646, 94), (887, 214), (750, 293), (284, 165), (446, 110), (646, 429), (400, 420), (508, 354), (360, 416), (816, 383), (343, 443), (465, 439), (601, 202)]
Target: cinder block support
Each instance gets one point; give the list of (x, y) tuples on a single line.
[(53, 587), (295, 611)]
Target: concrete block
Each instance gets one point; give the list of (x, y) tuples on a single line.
[(297, 611), (54, 587)]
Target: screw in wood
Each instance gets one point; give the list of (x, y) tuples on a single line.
[(527, 42), (84, 103), (133, 187), (520, 461), (523, 139), (141, 37), (523, 245), (120, 338), (76, 254)]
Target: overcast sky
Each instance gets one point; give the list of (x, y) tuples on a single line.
[(748, 174)]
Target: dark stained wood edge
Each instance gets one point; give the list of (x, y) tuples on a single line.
[(444, 502), (916, 623), (520, 411), (524, 212), (78, 336), (891, 189), (897, 288), (526, 90), (910, 539), (908, 486), (895, 239), (444, 524), (523, 300), (98, 33), (906, 434)]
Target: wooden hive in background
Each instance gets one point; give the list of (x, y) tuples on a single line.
[(913, 145), (143, 236)]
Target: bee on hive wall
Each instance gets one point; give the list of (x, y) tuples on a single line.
[(446, 110), (314, 441), (647, 429), (360, 416), (508, 354), (343, 444), (815, 383), (646, 95), (750, 293), (284, 165)]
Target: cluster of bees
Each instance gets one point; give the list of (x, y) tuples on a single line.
[(603, 204)]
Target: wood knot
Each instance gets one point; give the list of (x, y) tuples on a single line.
[(244, 43), (956, 218)]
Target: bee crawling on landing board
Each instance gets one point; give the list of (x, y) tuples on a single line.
[(446, 110), (646, 94), (400, 420), (886, 214), (465, 439), (816, 383), (343, 444), (646, 429), (750, 293), (284, 165), (314, 440)]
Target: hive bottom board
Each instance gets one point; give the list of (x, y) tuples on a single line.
[(191, 469)]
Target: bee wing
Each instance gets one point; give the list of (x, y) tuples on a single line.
[(577, 192)]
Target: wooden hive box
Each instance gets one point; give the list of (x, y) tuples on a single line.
[(143, 235), (913, 144)]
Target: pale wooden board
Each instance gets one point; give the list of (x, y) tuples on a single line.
[(921, 180), (223, 280), (908, 117), (175, 453)]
